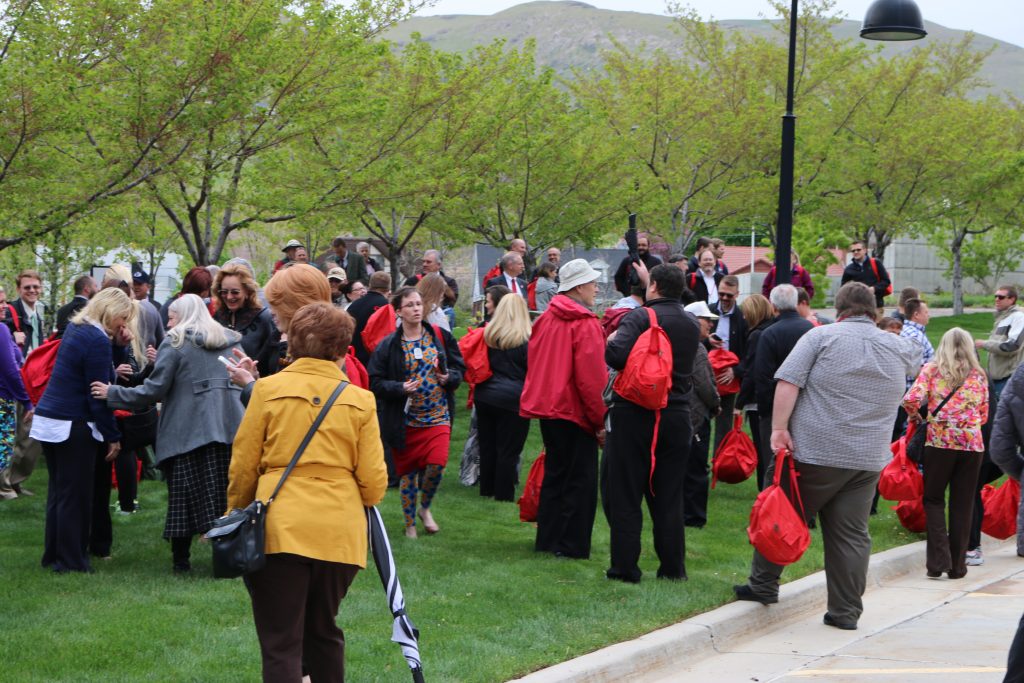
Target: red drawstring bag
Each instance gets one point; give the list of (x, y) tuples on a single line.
[(379, 325), (912, 516), (474, 354), (722, 360), (38, 367), (736, 458), (356, 371), (901, 480), (529, 502), (1000, 505), (647, 377), (778, 529)]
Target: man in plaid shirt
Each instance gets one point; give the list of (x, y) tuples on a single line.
[(916, 318)]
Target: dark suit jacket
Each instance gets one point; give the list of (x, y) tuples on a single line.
[(500, 280), (737, 334), (695, 281), (25, 322), (772, 349), (356, 268), (67, 311), (361, 309)]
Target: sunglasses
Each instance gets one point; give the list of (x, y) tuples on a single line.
[(32, 287), (1000, 297), (226, 292), (726, 295)]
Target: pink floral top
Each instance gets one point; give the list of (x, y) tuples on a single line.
[(958, 426)]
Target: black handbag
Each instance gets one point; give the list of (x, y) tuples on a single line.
[(238, 538), (915, 446), (138, 430)]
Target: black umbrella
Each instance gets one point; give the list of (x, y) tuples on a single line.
[(403, 632)]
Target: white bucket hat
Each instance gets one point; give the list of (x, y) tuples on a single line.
[(575, 273), (701, 310)]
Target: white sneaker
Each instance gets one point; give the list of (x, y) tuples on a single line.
[(975, 558)]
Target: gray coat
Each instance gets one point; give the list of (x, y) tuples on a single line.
[(704, 401), (200, 404)]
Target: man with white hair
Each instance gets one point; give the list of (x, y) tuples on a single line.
[(511, 269), (772, 349), (563, 390)]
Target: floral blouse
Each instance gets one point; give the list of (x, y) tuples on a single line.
[(958, 426)]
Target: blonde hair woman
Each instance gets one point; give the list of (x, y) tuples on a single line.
[(201, 411), (79, 434), (955, 390), (432, 288), (239, 309), (500, 430), (759, 314)]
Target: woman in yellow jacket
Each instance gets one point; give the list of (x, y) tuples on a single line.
[(316, 537)]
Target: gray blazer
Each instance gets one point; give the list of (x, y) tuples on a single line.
[(200, 405)]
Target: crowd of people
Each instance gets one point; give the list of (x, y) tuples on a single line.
[(240, 372)]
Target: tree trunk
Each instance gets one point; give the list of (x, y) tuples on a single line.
[(958, 276)]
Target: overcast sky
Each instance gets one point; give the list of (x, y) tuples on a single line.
[(1002, 19)]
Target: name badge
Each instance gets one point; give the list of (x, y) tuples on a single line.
[(417, 353)]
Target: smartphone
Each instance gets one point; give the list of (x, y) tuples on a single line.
[(225, 361), (715, 337)]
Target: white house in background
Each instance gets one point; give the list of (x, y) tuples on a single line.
[(164, 283)]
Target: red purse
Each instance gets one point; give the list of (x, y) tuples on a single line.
[(736, 458), (1000, 505), (901, 480), (778, 528)]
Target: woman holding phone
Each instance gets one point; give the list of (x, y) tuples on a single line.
[(414, 373)]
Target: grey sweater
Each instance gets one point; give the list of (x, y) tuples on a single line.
[(200, 405)]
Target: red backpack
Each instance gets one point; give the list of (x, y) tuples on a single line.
[(736, 458), (38, 367), (530, 500), (356, 371), (901, 480), (721, 359), (777, 528), (647, 377), (379, 325), (1000, 505), (474, 353), (874, 267)]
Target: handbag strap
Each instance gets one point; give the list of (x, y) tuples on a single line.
[(309, 437), (935, 413)]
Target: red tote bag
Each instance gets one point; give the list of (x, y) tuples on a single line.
[(901, 480), (912, 516), (736, 458), (1000, 504), (529, 502), (778, 529)]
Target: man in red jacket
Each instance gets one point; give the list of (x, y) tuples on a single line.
[(564, 391)]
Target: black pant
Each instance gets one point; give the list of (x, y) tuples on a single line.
[(957, 470), (765, 456), (1015, 660), (695, 478), (127, 469), (988, 474), (70, 467), (501, 434), (101, 536), (723, 423), (626, 480), (568, 497), (295, 603)]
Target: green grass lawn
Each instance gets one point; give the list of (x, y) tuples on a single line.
[(487, 606)]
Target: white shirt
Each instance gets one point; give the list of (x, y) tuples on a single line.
[(709, 282), (724, 327), (516, 289)]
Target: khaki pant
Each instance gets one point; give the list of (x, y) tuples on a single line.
[(841, 500), (23, 461)]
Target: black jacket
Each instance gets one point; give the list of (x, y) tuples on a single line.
[(745, 370), (626, 267), (695, 283), (863, 272), (361, 309), (1008, 429), (737, 333), (505, 386), (261, 339), (500, 280), (25, 324), (683, 332), (773, 347), (67, 311), (387, 375)]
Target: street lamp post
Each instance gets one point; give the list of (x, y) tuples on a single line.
[(890, 20)]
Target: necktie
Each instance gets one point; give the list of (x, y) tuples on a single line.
[(515, 290)]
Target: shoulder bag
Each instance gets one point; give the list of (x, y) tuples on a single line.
[(915, 443), (238, 538)]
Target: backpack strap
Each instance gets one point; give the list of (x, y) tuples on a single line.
[(874, 267)]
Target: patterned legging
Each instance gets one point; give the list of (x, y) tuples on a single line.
[(426, 482)]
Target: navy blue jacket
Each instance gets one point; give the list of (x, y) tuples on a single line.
[(85, 356)]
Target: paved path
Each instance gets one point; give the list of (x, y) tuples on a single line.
[(913, 629)]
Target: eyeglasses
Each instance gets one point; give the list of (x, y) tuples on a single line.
[(32, 287), (1000, 297), (231, 292)]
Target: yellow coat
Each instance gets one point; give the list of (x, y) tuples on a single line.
[(319, 511)]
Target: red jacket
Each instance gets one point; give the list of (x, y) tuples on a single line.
[(566, 374)]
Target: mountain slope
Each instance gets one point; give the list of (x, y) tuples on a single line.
[(573, 34)]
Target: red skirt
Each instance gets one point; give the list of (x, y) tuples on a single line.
[(423, 446)]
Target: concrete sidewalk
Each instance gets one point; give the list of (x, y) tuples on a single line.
[(913, 628)]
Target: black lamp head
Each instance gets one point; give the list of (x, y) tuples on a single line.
[(893, 20)]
